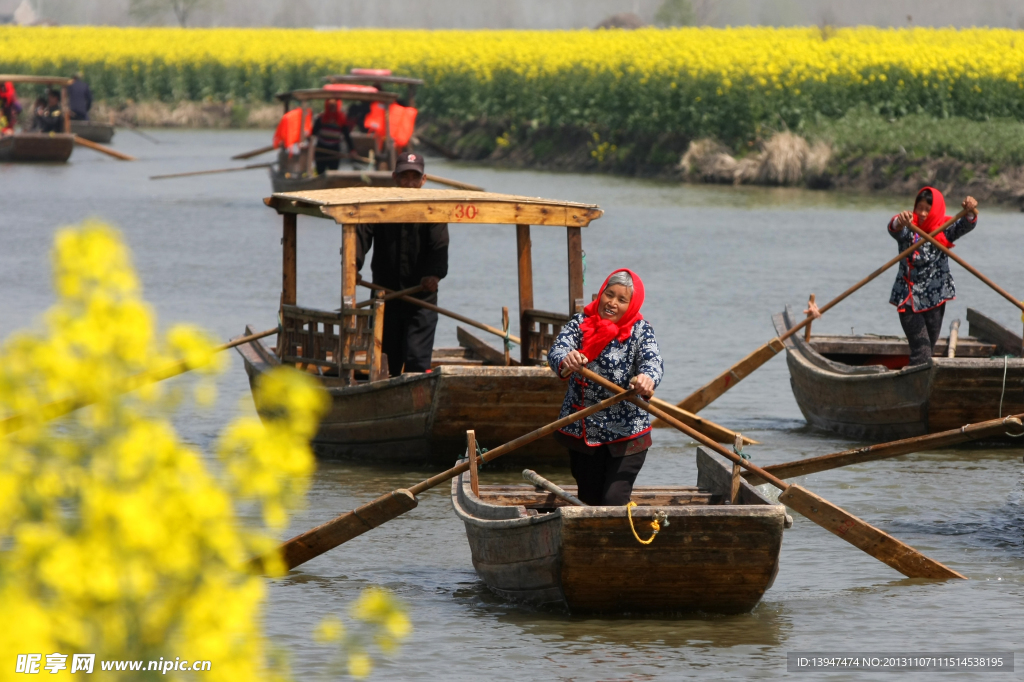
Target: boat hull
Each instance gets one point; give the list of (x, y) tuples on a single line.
[(874, 403), (711, 557), (423, 418), (36, 148), (94, 131), (331, 180)]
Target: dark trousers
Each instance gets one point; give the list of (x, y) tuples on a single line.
[(603, 479), (922, 330), (324, 164), (408, 337)]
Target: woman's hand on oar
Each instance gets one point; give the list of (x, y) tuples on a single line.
[(343, 528), (857, 532), (708, 393)]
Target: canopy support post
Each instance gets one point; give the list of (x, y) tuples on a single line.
[(524, 254), (348, 296), (288, 271), (65, 111), (575, 244)]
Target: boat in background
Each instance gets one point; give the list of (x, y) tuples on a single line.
[(94, 131), (530, 546), (33, 147), (861, 386)]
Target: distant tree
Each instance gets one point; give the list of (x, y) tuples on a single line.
[(147, 10), (675, 13)]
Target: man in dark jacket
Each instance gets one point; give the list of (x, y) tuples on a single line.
[(404, 255), (79, 98)]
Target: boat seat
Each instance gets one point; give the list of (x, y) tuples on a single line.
[(539, 329), (338, 342)]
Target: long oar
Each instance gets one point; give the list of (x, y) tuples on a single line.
[(343, 528), (393, 295), (251, 166), (103, 150), (453, 183), (255, 152), (60, 408), (871, 453), (967, 266), (857, 532), (541, 482), (711, 391), (442, 311)]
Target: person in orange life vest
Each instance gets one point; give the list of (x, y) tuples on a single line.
[(330, 127), (404, 255), (610, 337), (9, 108), (924, 283)]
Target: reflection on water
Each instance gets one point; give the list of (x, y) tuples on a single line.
[(717, 261)]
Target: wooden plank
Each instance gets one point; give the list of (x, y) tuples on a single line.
[(706, 394), (474, 476), (574, 242), (490, 355), (348, 295), (469, 210), (524, 262), (864, 536), (954, 337), (986, 328), (289, 266)]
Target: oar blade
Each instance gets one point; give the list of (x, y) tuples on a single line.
[(864, 536), (341, 529)]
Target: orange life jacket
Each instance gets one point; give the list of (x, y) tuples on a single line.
[(402, 122), (289, 129)]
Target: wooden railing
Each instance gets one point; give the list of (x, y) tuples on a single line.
[(539, 328), (340, 342)]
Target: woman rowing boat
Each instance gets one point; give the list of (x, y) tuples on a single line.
[(607, 450)]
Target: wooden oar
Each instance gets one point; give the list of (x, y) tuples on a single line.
[(103, 150), (395, 294), (343, 528), (541, 482), (871, 453), (442, 311), (857, 532), (967, 266), (255, 152), (251, 166), (453, 183), (60, 408), (711, 391)]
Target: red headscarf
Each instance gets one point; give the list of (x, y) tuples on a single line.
[(598, 332), (334, 113), (937, 216)]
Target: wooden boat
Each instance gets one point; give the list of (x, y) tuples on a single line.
[(861, 387), (94, 131), (422, 417), (380, 78), (297, 173), (531, 546), (31, 147)]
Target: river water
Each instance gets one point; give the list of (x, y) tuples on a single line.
[(717, 262)]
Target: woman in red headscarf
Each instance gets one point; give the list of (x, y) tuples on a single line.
[(924, 282), (611, 338)]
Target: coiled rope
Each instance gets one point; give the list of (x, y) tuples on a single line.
[(660, 518)]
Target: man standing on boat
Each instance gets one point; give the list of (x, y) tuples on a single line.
[(406, 255), (79, 98)]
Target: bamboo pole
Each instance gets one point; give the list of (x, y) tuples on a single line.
[(251, 166), (102, 149), (543, 483), (254, 152), (705, 395), (344, 527), (872, 453), (59, 408), (396, 294), (832, 518)]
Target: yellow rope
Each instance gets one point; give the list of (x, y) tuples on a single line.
[(655, 526)]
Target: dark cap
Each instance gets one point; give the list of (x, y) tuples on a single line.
[(409, 161)]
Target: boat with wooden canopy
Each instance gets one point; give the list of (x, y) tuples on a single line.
[(422, 417), (297, 173), (32, 147), (715, 554), (861, 387)]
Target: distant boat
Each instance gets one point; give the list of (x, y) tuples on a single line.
[(530, 546), (861, 387), (94, 131), (32, 147)]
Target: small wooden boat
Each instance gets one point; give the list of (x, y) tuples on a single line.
[(422, 417), (94, 131), (861, 387), (36, 148), (31, 147), (530, 546)]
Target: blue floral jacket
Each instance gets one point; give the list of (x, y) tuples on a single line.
[(618, 362), (924, 280)]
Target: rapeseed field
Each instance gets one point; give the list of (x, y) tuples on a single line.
[(728, 83)]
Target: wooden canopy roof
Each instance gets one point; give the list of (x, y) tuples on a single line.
[(44, 80), (367, 78), (322, 94), (399, 205)]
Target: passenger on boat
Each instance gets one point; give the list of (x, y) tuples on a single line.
[(79, 98), (330, 127), (51, 118), (924, 282), (9, 108), (406, 255), (607, 450)]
